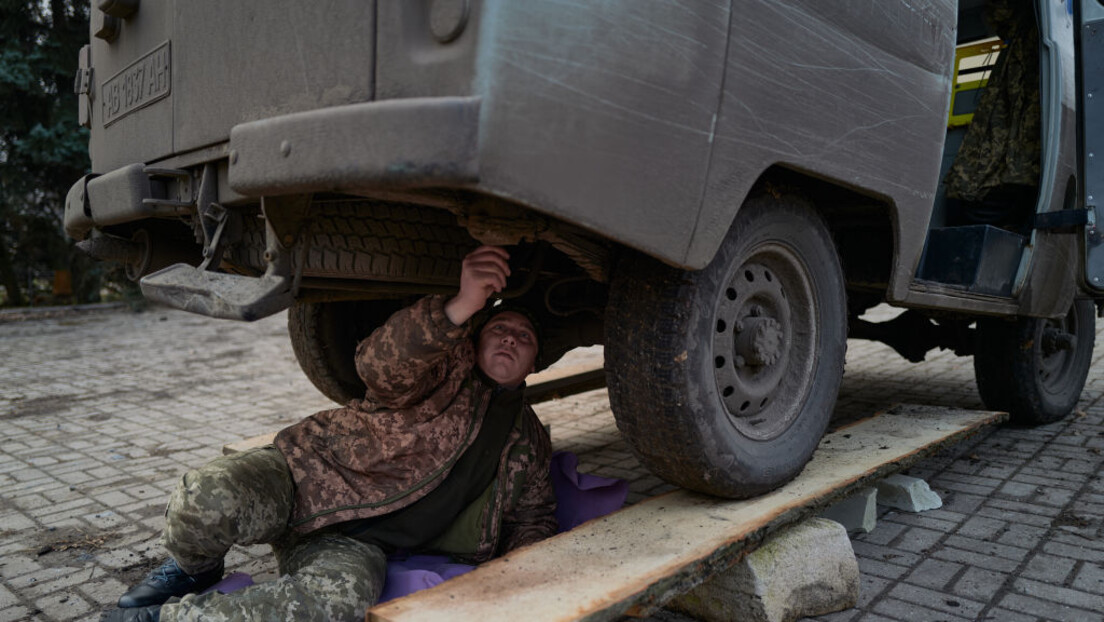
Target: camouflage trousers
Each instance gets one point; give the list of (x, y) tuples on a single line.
[(247, 498)]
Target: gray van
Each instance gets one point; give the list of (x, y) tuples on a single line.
[(716, 191)]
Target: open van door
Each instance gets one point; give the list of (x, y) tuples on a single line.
[(1090, 62)]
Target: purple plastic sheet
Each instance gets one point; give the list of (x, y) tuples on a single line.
[(231, 583), (418, 572), (579, 497)]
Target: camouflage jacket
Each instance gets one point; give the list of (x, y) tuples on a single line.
[(423, 408)]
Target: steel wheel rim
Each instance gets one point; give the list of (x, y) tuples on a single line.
[(1054, 366), (764, 338)]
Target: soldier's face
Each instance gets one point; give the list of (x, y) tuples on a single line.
[(507, 348)]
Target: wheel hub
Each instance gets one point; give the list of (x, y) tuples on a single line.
[(763, 320), (758, 341), (1056, 339)]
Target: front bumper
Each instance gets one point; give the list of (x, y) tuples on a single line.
[(402, 143), (393, 143)]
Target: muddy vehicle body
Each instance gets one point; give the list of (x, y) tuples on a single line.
[(715, 191)]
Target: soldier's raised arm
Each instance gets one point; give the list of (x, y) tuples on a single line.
[(404, 359)]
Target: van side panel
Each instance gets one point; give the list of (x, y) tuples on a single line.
[(852, 91), (602, 112)]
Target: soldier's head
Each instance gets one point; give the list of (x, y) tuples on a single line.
[(507, 347)]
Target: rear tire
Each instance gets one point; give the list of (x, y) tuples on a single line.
[(1034, 369), (324, 336), (723, 379)]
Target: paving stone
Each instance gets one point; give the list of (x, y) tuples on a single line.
[(1058, 476), (997, 472), (872, 617), (63, 606), (1047, 610), (884, 533), (974, 558), (1022, 535), (934, 574), (871, 587), (1059, 497), (1090, 578), (1048, 568), (52, 581), (987, 548), (902, 610), (885, 554), (1019, 490), (962, 503), (978, 584), (982, 528), (841, 616), (937, 600), (1075, 598), (1072, 551), (15, 613), (995, 509), (877, 568), (937, 520), (18, 565), (919, 540), (1004, 615)]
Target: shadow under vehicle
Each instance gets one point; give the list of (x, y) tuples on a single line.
[(716, 191)]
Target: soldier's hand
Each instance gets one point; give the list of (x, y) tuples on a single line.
[(482, 274)]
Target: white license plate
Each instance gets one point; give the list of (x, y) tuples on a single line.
[(143, 82)]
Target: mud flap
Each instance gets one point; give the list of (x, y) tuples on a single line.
[(226, 296)]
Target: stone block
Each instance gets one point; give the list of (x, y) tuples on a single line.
[(857, 513), (808, 570), (908, 494)]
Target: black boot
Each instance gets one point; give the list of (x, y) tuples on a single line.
[(167, 581), (133, 614)]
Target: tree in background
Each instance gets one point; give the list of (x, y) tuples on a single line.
[(42, 148)]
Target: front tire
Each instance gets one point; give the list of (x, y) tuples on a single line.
[(723, 379), (1034, 369)]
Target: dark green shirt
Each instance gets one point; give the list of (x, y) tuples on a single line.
[(425, 519)]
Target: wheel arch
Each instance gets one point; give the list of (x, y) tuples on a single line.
[(864, 225)]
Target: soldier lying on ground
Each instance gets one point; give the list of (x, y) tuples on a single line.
[(442, 455)]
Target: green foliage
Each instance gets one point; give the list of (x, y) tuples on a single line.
[(42, 149)]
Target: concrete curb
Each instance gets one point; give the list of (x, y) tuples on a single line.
[(809, 569), (23, 314)]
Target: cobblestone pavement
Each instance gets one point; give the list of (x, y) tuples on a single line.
[(103, 412)]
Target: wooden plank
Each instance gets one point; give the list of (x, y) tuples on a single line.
[(547, 385), (636, 559)]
